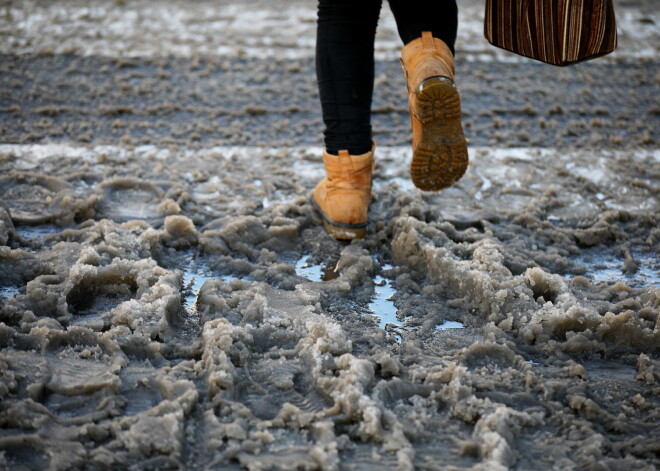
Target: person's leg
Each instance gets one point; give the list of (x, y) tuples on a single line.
[(440, 17), (345, 71), (428, 30)]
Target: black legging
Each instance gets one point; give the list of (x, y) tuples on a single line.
[(345, 59)]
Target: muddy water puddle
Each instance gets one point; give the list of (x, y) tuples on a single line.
[(37, 232), (314, 272), (610, 370), (382, 304), (196, 272), (609, 268), (7, 292), (193, 280), (447, 325)]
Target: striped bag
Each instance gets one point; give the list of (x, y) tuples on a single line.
[(559, 32)]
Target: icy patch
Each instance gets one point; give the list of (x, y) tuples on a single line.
[(82, 187), (450, 325), (403, 184), (126, 199), (283, 30), (393, 161)]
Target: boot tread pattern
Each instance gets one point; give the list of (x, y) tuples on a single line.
[(440, 158)]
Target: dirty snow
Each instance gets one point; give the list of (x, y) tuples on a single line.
[(169, 299)]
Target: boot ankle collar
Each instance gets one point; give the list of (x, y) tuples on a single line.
[(347, 164), (427, 41)]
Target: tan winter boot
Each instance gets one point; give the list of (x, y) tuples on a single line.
[(440, 155), (343, 197)]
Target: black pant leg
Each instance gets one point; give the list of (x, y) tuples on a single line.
[(345, 71), (438, 16)]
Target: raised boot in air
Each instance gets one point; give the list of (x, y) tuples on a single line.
[(343, 197), (439, 147)]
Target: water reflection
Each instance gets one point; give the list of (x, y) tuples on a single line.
[(450, 325), (313, 272), (609, 268), (7, 292), (37, 232), (382, 304)]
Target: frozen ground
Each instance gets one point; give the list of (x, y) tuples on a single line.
[(169, 301)]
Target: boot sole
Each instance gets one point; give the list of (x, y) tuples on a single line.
[(344, 233), (440, 158), (340, 230)]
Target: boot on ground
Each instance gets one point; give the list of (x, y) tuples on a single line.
[(343, 197)]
